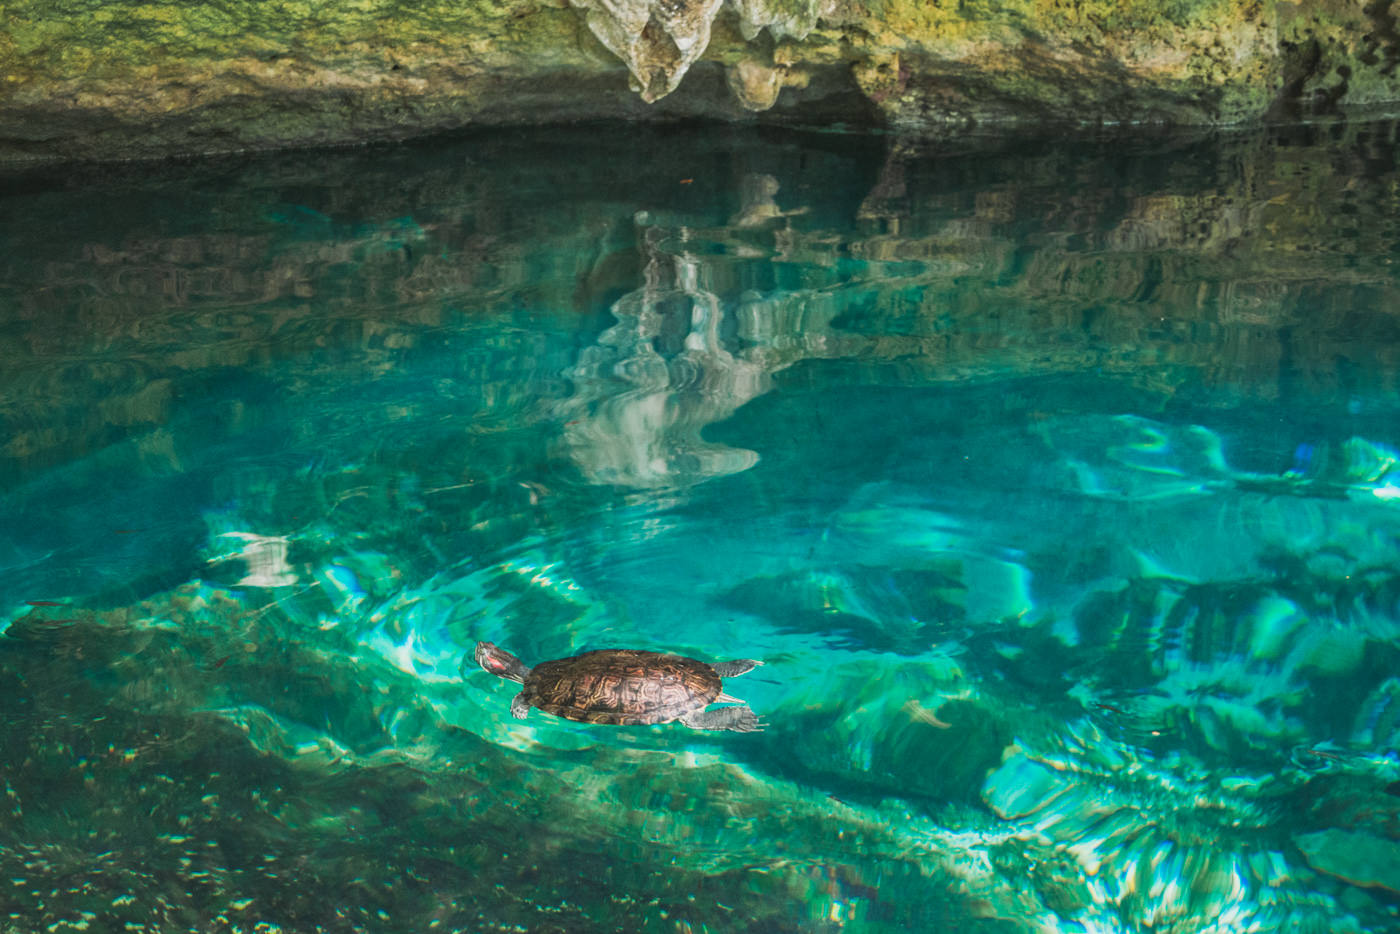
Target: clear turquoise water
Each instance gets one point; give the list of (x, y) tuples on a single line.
[(1054, 482)]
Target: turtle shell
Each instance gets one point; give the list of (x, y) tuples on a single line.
[(621, 686)]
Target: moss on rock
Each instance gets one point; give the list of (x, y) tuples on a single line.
[(104, 78)]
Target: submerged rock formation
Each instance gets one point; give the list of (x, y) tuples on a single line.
[(117, 78)]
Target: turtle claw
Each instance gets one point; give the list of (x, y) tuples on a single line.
[(739, 719)]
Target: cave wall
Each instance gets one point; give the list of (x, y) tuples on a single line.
[(132, 78)]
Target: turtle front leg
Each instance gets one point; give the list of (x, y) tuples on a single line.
[(519, 707), (740, 719), (738, 666)]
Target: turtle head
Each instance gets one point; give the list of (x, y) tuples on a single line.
[(500, 662)]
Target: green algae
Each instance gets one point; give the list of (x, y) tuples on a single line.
[(131, 35), (133, 77)]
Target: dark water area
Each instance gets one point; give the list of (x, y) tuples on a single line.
[(1054, 482)]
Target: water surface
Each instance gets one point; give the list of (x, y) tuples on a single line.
[(1054, 482)]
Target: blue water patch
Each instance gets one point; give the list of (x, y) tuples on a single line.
[(1063, 516)]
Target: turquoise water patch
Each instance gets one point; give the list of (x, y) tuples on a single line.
[(1054, 483)]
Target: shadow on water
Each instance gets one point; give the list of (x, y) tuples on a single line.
[(1054, 481)]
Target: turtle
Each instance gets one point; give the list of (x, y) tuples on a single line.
[(626, 687)]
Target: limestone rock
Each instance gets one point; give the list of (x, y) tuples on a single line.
[(658, 39), (1358, 858), (794, 18), (756, 85), (123, 78)]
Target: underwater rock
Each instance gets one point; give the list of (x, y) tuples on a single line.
[(906, 612), (915, 728), (1145, 862), (1235, 665), (1358, 858), (1378, 718)]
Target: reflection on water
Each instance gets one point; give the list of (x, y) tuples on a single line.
[(1055, 484), (649, 435)]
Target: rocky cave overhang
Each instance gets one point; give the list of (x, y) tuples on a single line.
[(131, 78)]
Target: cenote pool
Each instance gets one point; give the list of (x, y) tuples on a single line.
[(1055, 483)]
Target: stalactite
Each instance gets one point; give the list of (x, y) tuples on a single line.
[(660, 39)]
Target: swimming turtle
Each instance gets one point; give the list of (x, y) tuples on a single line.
[(626, 686)]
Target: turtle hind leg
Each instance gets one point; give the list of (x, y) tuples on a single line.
[(520, 706), (740, 719), (737, 667)]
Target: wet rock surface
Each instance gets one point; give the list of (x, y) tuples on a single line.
[(120, 78), (1359, 858)]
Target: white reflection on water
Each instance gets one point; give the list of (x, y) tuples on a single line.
[(636, 414)]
